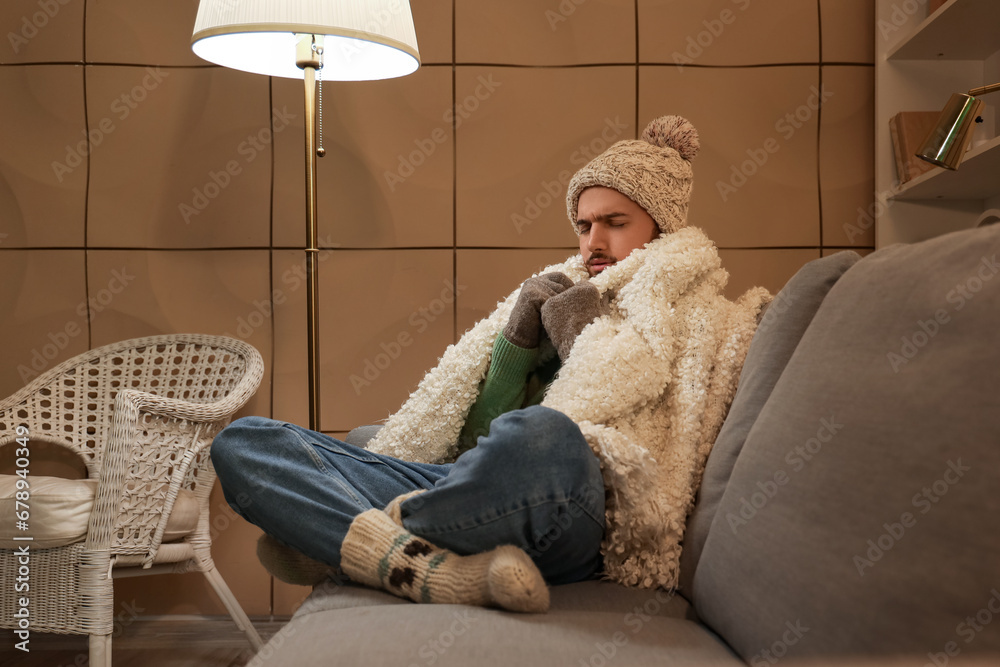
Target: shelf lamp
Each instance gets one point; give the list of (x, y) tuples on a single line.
[(347, 40), (949, 139)]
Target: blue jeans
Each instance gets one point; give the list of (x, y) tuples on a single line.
[(532, 482)]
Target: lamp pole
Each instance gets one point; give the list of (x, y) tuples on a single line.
[(309, 57)]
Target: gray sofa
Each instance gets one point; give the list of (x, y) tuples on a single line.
[(850, 506)]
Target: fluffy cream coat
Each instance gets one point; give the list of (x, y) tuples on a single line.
[(649, 385)]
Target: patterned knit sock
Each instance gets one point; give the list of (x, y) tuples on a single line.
[(379, 553), (392, 509)]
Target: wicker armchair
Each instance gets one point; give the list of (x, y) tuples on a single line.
[(141, 414)]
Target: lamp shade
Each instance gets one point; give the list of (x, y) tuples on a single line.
[(948, 140), (363, 39)]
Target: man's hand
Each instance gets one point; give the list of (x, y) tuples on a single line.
[(524, 328), (564, 316)]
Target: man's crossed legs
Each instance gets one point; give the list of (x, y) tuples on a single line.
[(533, 483)]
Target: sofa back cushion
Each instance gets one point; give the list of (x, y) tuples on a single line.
[(861, 515), (781, 327)]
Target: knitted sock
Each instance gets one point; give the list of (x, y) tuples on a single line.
[(290, 565), (392, 509), (379, 553)]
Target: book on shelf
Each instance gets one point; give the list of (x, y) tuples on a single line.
[(908, 129)]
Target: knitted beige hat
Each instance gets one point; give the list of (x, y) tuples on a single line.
[(654, 172)]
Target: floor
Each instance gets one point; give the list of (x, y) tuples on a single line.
[(174, 643)]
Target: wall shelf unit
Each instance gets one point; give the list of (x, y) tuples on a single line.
[(920, 61)]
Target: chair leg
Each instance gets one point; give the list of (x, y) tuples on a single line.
[(234, 608), (100, 651)]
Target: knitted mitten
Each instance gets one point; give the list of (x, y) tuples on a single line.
[(565, 315), (392, 509), (292, 566), (524, 326), (381, 554)]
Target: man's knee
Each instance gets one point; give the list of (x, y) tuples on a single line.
[(235, 443), (548, 438)]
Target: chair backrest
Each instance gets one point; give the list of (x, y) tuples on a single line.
[(71, 404)]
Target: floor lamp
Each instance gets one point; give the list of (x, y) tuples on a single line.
[(342, 40)]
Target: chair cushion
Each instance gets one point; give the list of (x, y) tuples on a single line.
[(59, 511), (783, 323), (861, 514)]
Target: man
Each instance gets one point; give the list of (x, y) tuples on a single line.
[(563, 437)]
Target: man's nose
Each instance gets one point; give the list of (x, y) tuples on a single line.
[(598, 239)]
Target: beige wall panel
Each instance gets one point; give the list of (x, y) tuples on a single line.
[(41, 31), (755, 182), (550, 32), (184, 159), (487, 276), (767, 267), (848, 30), (147, 32), (385, 318), (43, 303), (432, 19), (387, 176), (728, 32), (523, 134), (145, 293), (847, 144), (43, 163)]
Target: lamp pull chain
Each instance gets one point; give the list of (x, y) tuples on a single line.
[(320, 151)]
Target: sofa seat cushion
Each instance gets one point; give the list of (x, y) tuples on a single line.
[(861, 516), (59, 512), (589, 623)]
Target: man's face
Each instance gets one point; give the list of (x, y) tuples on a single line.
[(611, 226)]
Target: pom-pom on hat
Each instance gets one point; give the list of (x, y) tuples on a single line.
[(654, 172)]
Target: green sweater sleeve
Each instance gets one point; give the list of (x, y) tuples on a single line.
[(503, 390)]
